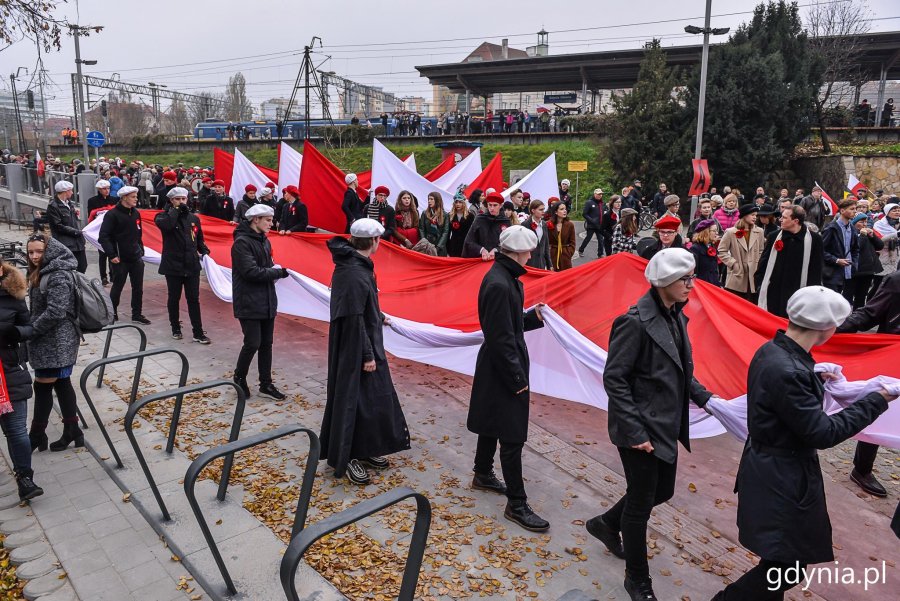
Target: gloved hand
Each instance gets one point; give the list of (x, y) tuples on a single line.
[(183, 208), (284, 272)]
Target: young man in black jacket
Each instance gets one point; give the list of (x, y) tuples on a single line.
[(120, 237), (351, 205), (180, 261), (593, 215), (294, 216), (101, 200), (64, 223), (255, 304), (218, 204)]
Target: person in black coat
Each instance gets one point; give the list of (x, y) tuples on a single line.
[(64, 224), (102, 200), (856, 290), (168, 181), (540, 256), (15, 326), (609, 222), (592, 211), (666, 236), (704, 247), (460, 224), (121, 239), (649, 379), (658, 204), (255, 304), (351, 205), (182, 247), (247, 200), (363, 420), (217, 204), (498, 407), (782, 514), (483, 239), (294, 214), (841, 262)]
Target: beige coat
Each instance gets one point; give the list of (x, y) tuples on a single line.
[(741, 257)]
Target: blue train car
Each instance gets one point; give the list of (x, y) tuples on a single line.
[(214, 129)]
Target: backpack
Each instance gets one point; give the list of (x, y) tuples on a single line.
[(93, 306)]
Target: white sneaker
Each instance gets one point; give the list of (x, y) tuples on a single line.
[(576, 255)]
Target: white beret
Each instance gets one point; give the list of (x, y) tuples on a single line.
[(890, 207), (668, 265), (126, 190), (518, 238), (565, 181), (177, 191), (349, 178), (259, 210), (366, 228), (817, 308), (101, 183), (63, 186)]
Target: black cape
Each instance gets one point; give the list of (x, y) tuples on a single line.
[(363, 417)]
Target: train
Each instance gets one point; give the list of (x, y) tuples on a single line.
[(215, 129)]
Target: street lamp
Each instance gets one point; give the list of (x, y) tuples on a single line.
[(706, 30), (19, 130), (76, 33)]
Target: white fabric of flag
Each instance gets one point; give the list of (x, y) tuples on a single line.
[(245, 172), (462, 174), (390, 171), (290, 162), (540, 183)]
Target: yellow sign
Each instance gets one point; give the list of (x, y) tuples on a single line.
[(578, 165)]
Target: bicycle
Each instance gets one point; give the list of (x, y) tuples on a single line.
[(646, 219), (14, 252)]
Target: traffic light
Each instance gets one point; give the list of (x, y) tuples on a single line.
[(29, 96), (103, 108)]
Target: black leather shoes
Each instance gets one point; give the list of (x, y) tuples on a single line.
[(520, 513), (868, 483), (489, 482), (640, 590), (597, 528)]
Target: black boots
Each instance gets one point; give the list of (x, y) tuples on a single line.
[(38, 438), (489, 482), (639, 590), (242, 384), (71, 433), (520, 513), (598, 528), (27, 488)]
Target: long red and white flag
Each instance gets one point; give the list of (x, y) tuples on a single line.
[(854, 185), (830, 205), (40, 163)]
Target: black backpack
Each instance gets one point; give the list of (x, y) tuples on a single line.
[(93, 306)]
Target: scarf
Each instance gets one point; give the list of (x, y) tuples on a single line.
[(770, 267)]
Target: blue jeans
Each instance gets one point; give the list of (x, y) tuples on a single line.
[(17, 441)]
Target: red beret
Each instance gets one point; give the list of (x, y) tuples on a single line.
[(552, 199), (495, 197), (526, 196), (219, 182), (382, 190), (191, 171), (668, 223), (292, 190), (170, 175), (249, 188), (205, 179), (270, 185)]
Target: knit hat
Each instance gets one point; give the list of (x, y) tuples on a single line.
[(669, 265), (517, 238), (858, 217), (817, 308)]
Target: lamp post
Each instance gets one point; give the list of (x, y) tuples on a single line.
[(706, 30), (76, 33), (19, 130)]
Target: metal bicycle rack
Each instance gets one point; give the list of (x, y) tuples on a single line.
[(139, 357), (228, 450), (300, 543), (142, 347), (179, 393)]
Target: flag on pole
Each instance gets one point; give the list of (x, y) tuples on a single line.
[(854, 185), (40, 163), (830, 206)]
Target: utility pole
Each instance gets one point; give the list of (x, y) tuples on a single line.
[(19, 130), (307, 70), (75, 104), (76, 32)]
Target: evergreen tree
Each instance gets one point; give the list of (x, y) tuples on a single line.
[(650, 138)]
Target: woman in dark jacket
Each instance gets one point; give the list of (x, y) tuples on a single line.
[(460, 223), (609, 222), (704, 249), (53, 348), (15, 326)]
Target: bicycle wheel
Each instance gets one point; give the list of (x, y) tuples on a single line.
[(646, 221), (19, 259)]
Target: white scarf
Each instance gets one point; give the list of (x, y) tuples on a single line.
[(770, 267)]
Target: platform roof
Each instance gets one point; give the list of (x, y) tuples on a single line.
[(611, 69)]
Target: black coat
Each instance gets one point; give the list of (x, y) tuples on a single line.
[(120, 234), (658, 204), (352, 207), (244, 205), (497, 408), (363, 417), (220, 207), (649, 246), (484, 233), (592, 211), (869, 261), (833, 249), (64, 225), (182, 240), (387, 217), (707, 265), (162, 190), (253, 275), (540, 256), (456, 241), (649, 380), (815, 211), (882, 310), (782, 514), (98, 202), (785, 280), (15, 319), (294, 217)]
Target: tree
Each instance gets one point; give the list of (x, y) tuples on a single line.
[(834, 31), (237, 106), (208, 105), (178, 121), (649, 136), (35, 20)]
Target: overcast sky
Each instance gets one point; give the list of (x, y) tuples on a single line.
[(197, 45)]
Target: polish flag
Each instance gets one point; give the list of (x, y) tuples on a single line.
[(40, 163), (830, 205), (854, 185)]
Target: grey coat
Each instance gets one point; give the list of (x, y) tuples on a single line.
[(56, 341)]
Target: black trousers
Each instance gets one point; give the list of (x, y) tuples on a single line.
[(81, 257), (649, 482), (191, 286), (133, 271), (857, 288), (768, 581), (104, 262), (588, 235), (258, 337), (510, 463), (864, 458)]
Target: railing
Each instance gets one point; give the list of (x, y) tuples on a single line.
[(140, 362), (86, 374), (228, 450), (301, 543), (179, 393)]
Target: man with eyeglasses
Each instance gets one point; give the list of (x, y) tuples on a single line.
[(649, 379), (667, 236)]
